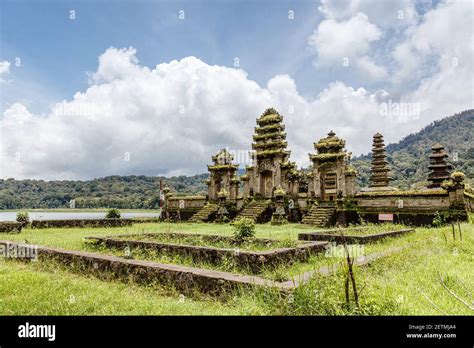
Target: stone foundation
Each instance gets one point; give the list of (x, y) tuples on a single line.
[(81, 223), (350, 238), (10, 226), (178, 215), (182, 278), (188, 280), (256, 261)]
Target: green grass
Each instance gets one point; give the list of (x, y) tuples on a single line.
[(406, 282), (369, 229), (81, 210), (72, 238), (227, 264), (34, 289), (198, 240)]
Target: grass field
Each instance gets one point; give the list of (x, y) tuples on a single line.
[(406, 282), (198, 240), (81, 210)]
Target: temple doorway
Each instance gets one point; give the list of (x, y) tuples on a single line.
[(218, 185), (266, 183), (329, 186)]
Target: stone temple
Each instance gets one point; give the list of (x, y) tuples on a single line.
[(272, 167), (325, 194)]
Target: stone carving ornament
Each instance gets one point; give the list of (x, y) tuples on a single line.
[(265, 165)]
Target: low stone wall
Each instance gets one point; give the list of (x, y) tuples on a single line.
[(183, 278), (81, 223), (413, 219), (414, 208), (351, 238), (256, 261), (10, 226), (182, 208), (186, 202), (145, 220), (403, 203), (177, 215), (346, 217)]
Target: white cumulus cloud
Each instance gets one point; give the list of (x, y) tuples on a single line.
[(437, 59), (171, 119), (395, 14), (4, 69), (334, 41), (369, 70)]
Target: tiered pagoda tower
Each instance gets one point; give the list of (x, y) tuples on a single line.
[(331, 176), (222, 176), (438, 165), (380, 170), (271, 166)]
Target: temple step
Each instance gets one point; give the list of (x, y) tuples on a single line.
[(204, 213), (319, 216), (254, 210)]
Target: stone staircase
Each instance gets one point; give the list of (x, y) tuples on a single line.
[(204, 213), (319, 215), (254, 210)]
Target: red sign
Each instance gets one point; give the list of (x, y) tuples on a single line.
[(385, 217)]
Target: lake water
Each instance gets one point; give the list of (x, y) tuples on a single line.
[(47, 215)]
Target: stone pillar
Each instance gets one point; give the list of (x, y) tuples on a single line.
[(212, 190), (341, 180), (296, 188), (350, 185), (277, 173), (222, 212), (456, 190), (246, 187), (234, 188), (317, 182), (310, 183), (279, 215)]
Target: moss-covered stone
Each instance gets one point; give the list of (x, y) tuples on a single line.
[(269, 119), (186, 198), (265, 136), (325, 157), (409, 193), (270, 145), (268, 153)]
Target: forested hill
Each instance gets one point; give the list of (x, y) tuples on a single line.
[(112, 191), (409, 157)]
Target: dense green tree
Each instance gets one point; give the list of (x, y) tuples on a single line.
[(409, 157), (135, 192)]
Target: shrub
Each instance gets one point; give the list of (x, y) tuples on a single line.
[(438, 220), (23, 217), (244, 228), (113, 214)]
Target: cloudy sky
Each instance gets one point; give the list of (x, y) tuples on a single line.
[(96, 88)]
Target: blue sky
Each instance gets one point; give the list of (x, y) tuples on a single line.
[(130, 79), (57, 52)]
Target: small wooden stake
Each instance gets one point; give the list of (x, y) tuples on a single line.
[(346, 289)]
